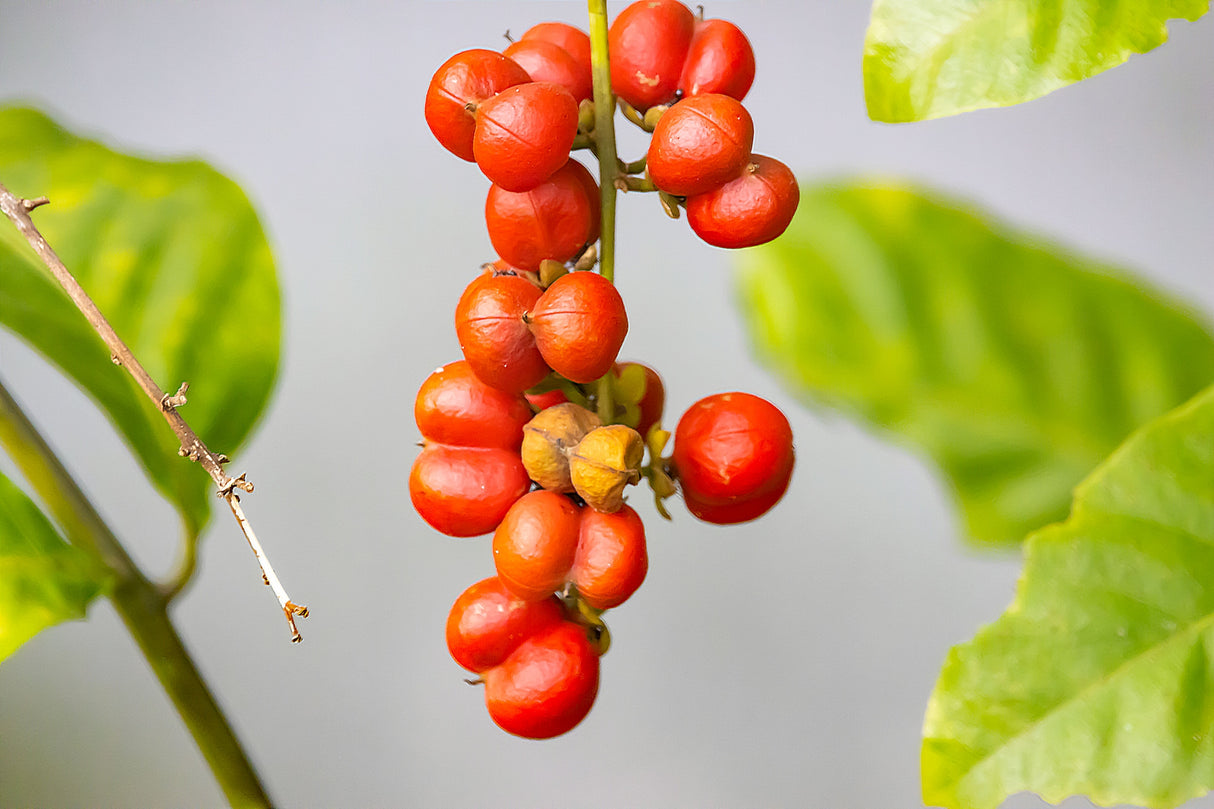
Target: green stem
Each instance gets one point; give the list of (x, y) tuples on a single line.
[(140, 603), (604, 138), (604, 134)]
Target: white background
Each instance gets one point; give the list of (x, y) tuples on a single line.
[(782, 663)]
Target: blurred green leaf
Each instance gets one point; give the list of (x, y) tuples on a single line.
[(930, 58), (1017, 367), (1099, 678), (43, 580), (174, 256)]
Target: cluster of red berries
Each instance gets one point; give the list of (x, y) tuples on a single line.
[(535, 435)]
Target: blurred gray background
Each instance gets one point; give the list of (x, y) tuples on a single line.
[(782, 663)]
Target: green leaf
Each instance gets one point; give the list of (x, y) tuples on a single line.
[(43, 580), (176, 259), (929, 58), (1016, 366), (1099, 678)]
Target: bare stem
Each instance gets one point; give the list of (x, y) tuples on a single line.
[(192, 447), (138, 601)]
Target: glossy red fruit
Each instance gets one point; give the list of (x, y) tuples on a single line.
[(579, 324), (546, 686), (496, 341), (467, 78), (719, 60), (523, 134), (741, 511), (545, 541), (611, 560), (751, 209), (648, 45), (535, 544), (454, 407), (555, 220), (731, 449), (573, 40), (540, 671), (466, 491), (700, 144), (487, 622), (547, 61)]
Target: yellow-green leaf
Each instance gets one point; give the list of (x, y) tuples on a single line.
[(1099, 678), (929, 58), (1017, 366), (43, 580), (174, 256)]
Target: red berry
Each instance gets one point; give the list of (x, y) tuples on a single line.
[(732, 449), (455, 407), (611, 560), (523, 134), (751, 209), (573, 40), (541, 672), (493, 335), (547, 61), (466, 491), (487, 623), (579, 324), (741, 511), (535, 544), (648, 44), (555, 220), (545, 540), (720, 60), (700, 144), (467, 78), (546, 686)]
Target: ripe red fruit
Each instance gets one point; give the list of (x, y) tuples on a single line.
[(730, 450), (540, 671), (547, 61), (469, 472), (579, 324), (612, 559), (700, 144), (573, 40), (751, 209), (647, 44), (487, 622), (495, 339), (454, 407), (467, 78), (466, 491), (524, 133), (545, 540), (546, 686), (535, 544), (555, 220), (719, 60)]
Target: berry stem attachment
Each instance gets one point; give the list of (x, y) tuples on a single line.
[(604, 134)]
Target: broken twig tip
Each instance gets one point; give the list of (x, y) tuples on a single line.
[(37, 202)]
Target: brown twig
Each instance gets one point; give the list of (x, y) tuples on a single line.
[(192, 447)]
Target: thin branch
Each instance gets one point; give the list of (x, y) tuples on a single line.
[(192, 447)]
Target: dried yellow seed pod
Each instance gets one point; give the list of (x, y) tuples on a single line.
[(607, 460), (549, 438)]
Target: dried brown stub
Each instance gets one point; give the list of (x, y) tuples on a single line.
[(548, 440), (606, 460)]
